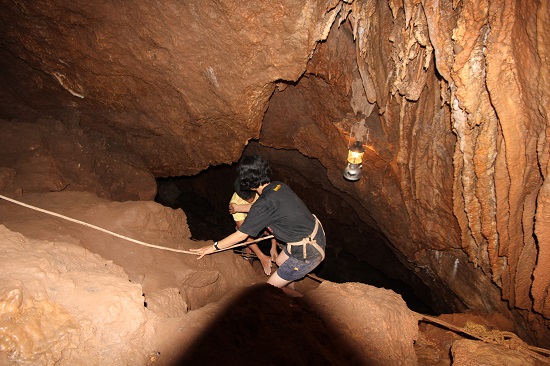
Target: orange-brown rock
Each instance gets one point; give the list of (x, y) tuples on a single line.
[(454, 93)]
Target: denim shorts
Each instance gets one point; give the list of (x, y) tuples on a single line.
[(294, 269)]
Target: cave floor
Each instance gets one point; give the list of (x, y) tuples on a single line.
[(257, 324)]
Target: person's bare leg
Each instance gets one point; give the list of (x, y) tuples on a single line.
[(281, 258), (264, 259), (277, 281), (273, 251), (247, 252)]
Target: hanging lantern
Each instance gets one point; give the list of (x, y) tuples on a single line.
[(355, 158), (352, 172)]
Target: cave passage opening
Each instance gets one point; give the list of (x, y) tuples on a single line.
[(204, 198)]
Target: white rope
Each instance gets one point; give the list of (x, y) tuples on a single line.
[(118, 235)]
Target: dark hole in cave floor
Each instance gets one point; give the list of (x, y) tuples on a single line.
[(208, 219)]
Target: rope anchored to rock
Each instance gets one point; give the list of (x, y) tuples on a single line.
[(494, 336), (118, 235)]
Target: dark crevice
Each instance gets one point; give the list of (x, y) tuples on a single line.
[(355, 252), (204, 199)]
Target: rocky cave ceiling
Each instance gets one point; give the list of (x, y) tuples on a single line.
[(454, 93)]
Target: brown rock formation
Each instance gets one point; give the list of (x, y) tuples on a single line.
[(454, 93), (71, 295)]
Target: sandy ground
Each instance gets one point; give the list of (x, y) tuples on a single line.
[(73, 295)]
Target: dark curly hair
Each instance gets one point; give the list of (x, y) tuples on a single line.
[(253, 171), (244, 194)]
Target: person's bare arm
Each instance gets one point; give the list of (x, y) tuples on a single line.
[(234, 208), (226, 242)]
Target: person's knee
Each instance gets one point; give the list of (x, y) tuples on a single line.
[(277, 281)]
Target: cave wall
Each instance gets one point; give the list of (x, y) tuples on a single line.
[(453, 91), (166, 79), (49, 156)]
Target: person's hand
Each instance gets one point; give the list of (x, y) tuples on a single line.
[(232, 208), (266, 264), (201, 252)]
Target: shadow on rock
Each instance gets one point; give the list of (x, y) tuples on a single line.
[(263, 326)]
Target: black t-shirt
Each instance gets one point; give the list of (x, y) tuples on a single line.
[(279, 208)]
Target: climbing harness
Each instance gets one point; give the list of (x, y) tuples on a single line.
[(308, 240), (118, 235)]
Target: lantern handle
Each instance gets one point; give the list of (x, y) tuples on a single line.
[(351, 133)]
